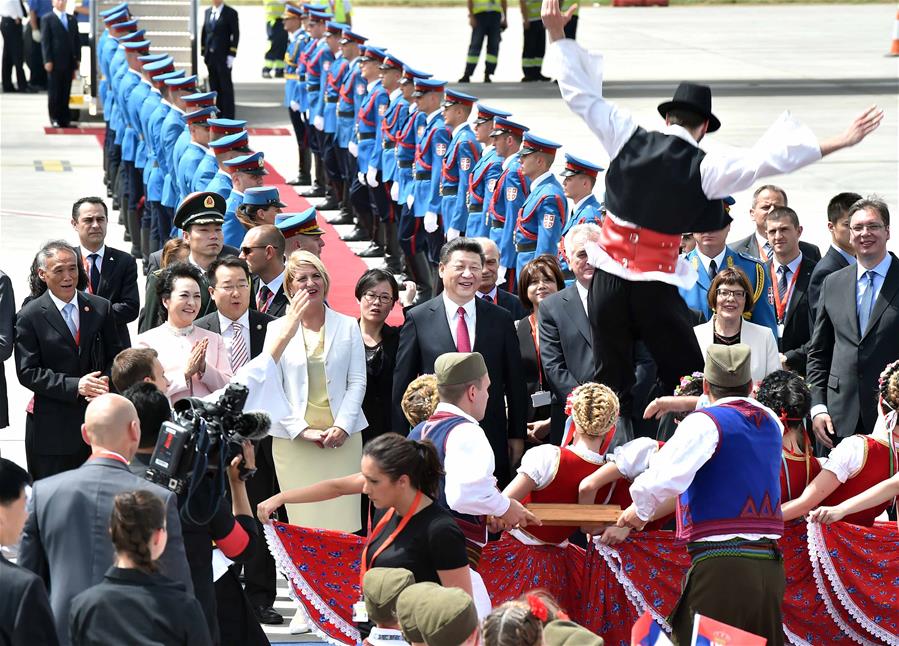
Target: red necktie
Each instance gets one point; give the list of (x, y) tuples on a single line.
[(463, 341)]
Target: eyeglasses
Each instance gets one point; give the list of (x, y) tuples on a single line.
[(248, 250), (873, 228), (230, 288), (371, 297), (735, 294)]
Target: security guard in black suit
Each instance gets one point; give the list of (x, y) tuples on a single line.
[(218, 45)]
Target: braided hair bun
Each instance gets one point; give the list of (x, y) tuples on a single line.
[(512, 624), (136, 515), (889, 386), (787, 394), (594, 408), (420, 399)]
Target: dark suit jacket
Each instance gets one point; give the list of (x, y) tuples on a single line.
[(832, 261), (798, 321), (510, 302), (7, 340), (59, 45), (219, 41), (750, 246), (66, 538), (25, 615), (844, 364), (50, 364), (118, 285), (155, 261), (258, 324), (426, 335), (278, 308)]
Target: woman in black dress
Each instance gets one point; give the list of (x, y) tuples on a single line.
[(539, 278)]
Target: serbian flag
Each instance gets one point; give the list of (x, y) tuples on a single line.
[(708, 632), (647, 632)]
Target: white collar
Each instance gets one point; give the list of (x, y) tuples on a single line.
[(459, 127), (276, 283), (60, 303), (370, 85), (581, 201), (452, 308), (225, 322), (60, 14), (100, 252), (793, 265), (540, 179), (760, 239), (508, 160), (199, 145), (586, 454), (433, 115), (581, 290), (880, 268), (680, 132), (443, 407), (706, 260), (491, 294), (397, 92), (848, 256)]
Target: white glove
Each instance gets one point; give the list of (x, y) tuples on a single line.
[(452, 234), (353, 148), (361, 178), (294, 106), (319, 122), (430, 222), (372, 177), (229, 62), (36, 35), (500, 275), (410, 200), (395, 191)]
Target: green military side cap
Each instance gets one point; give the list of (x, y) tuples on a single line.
[(728, 366), (446, 617), (200, 208), (381, 586), (406, 606), (567, 633), (454, 368)]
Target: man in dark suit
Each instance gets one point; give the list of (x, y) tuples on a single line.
[(61, 49), (7, 338), (65, 343), (111, 273), (489, 290), (218, 46), (855, 332), (263, 249), (229, 287), (841, 253), (457, 321), (790, 273), (66, 536), (25, 615), (764, 199)]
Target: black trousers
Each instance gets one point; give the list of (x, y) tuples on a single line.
[(533, 49), (237, 624), (277, 43), (299, 128), (220, 81), (43, 466), (486, 25), (13, 54), (622, 312), (34, 57), (259, 570), (59, 89)]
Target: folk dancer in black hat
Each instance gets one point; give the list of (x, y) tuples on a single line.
[(658, 185)]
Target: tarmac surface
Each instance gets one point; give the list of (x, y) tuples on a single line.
[(825, 63)]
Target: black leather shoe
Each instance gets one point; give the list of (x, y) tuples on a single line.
[(328, 205), (374, 251), (266, 73), (315, 191), (394, 267), (487, 79), (268, 616), (346, 218), (279, 73), (357, 235), (465, 79)]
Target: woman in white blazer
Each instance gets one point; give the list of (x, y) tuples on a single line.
[(728, 300), (322, 375)]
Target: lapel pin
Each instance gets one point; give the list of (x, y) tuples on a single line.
[(258, 326), (87, 309)]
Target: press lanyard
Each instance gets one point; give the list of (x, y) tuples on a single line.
[(399, 528), (781, 305), (536, 337), (112, 455), (86, 264)]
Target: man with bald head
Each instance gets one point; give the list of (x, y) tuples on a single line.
[(263, 248), (65, 541), (489, 290)]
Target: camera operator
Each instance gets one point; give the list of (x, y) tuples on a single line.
[(232, 528)]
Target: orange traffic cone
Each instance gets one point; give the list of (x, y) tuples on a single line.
[(894, 47)]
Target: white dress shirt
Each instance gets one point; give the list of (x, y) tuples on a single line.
[(672, 469), (582, 293), (470, 484), (785, 147), (760, 242), (101, 253), (228, 333), (61, 304), (491, 295), (452, 316), (848, 256), (706, 260), (275, 285)]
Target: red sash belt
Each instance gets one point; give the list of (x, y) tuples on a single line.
[(639, 249)]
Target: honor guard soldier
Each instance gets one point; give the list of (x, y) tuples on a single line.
[(218, 130), (293, 20), (246, 173), (579, 180), (461, 156), (542, 216), (207, 169), (487, 19), (117, 24), (318, 61), (509, 194), (260, 205), (371, 111), (196, 149), (331, 82), (484, 173), (349, 98), (429, 152), (301, 232), (225, 148)]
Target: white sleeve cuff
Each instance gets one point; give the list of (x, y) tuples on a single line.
[(818, 409)]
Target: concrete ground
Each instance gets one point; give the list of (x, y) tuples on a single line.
[(825, 63)]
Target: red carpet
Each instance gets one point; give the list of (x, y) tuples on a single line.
[(343, 265)]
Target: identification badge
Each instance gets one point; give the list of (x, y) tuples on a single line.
[(541, 398), (360, 614), (780, 330)]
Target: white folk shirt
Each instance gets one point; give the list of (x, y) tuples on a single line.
[(452, 317), (672, 469), (470, 484), (847, 458), (786, 146)]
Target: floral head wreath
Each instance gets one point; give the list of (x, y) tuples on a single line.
[(685, 381)]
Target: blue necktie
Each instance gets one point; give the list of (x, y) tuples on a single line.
[(68, 313), (64, 21), (866, 305)]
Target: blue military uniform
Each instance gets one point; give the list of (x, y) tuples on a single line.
[(483, 177), (224, 135), (589, 210), (542, 216), (251, 164), (220, 182), (462, 154), (509, 195), (193, 154)]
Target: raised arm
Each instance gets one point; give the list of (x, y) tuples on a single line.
[(876, 495), (318, 492)]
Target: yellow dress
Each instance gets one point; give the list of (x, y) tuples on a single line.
[(300, 463)]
